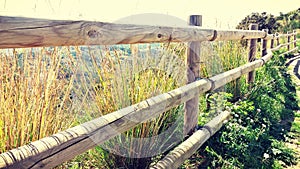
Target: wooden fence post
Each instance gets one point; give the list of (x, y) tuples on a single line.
[(277, 39), (264, 44), (272, 42), (252, 53), (295, 38), (288, 41), (193, 73)]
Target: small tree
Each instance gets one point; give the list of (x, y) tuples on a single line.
[(289, 21), (264, 21)]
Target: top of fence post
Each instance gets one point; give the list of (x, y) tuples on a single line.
[(195, 20)]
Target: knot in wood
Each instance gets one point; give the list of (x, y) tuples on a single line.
[(93, 34)]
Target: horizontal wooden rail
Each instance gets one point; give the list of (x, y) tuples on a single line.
[(290, 51), (222, 35), (283, 45), (274, 36), (288, 43), (17, 32), (288, 34)]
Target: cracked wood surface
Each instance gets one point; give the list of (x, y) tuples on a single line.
[(18, 32)]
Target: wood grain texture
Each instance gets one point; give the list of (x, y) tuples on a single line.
[(252, 54), (26, 32), (239, 34), (264, 45), (17, 32), (193, 73)]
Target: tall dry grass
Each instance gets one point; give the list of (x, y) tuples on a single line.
[(116, 81), (34, 94)]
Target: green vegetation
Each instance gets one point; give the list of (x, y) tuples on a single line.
[(289, 21), (255, 137), (282, 23), (264, 21)]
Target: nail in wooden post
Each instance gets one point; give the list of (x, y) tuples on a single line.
[(289, 40), (252, 53), (264, 44), (193, 73), (295, 38)]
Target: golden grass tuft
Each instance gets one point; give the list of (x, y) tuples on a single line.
[(34, 99)]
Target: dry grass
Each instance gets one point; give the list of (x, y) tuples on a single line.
[(118, 82), (34, 99)]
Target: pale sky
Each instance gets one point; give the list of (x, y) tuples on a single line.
[(216, 13)]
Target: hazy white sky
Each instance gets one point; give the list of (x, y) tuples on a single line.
[(216, 13)]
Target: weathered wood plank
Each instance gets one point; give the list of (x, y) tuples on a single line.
[(277, 37), (193, 73), (17, 32), (238, 34), (287, 34), (26, 32), (288, 41), (272, 41), (295, 38), (264, 45), (252, 54)]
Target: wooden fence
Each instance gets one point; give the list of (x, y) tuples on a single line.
[(53, 150)]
